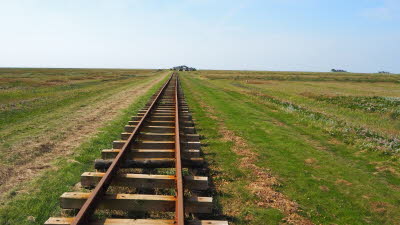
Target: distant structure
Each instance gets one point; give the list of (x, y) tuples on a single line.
[(384, 72), (183, 68), (338, 71)]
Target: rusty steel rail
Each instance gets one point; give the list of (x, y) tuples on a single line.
[(88, 208), (179, 208)]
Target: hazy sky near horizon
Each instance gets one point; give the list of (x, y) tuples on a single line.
[(306, 35)]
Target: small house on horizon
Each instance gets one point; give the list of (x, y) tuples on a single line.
[(183, 68), (338, 71)]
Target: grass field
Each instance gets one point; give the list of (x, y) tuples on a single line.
[(303, 148), (283, 147), (53, 124)]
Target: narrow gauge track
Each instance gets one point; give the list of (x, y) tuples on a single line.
[(158, 146)]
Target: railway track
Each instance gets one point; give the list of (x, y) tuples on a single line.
[(151, 175)]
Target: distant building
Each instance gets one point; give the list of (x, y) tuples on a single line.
[(183, 68), (338, 71), (384, 72)]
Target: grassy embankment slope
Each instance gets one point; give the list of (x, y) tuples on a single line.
[(41, 108), (330, 140)]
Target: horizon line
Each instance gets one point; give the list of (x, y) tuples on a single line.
[(131, 68)]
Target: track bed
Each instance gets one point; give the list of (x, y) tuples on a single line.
[(154, 175)]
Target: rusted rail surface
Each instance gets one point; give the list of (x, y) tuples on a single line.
[(162, 135), (179, 209)]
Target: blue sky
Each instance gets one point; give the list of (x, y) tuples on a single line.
[(306, 35)]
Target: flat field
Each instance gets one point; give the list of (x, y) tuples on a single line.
[(53, 124), (283, 147), (301, 148)]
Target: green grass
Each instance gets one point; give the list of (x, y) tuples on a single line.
[(351, 180), (218, 153), (40, 101), (367, 104), (23, 96), (314, 132), (41, 199), (300, 76)]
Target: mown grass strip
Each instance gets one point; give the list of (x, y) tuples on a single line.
[(233, 200), (328, 179), (42, 199)]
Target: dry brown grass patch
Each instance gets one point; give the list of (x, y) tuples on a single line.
[(343, 182), (258, 82), (386, 169), (310, 161), (380, 207), (324, 188), (334, 141)]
